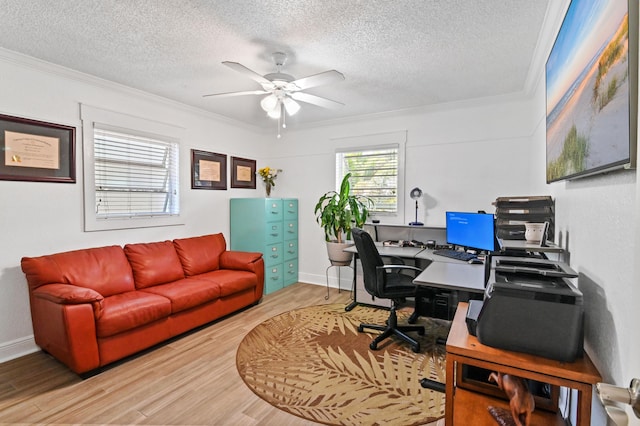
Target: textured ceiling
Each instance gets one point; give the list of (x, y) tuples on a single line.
[(395, 54)]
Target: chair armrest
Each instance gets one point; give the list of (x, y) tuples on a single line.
[(398, 268)]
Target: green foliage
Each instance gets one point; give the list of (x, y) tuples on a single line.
[(339, 212), (573, 156)]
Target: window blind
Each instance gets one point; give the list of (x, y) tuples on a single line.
[(374, 174), (134, 176)]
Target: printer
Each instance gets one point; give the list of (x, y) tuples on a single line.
[(531, 306)]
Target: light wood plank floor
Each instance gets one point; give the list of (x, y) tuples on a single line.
[(190, 381)]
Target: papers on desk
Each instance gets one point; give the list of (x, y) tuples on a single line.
[(403, 243)]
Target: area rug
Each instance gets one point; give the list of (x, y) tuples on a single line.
[(313, 363)]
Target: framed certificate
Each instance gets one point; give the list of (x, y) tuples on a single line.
[(36, 150), (208, 170), (243, 173)]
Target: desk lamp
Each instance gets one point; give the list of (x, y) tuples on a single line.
[(415, 194)]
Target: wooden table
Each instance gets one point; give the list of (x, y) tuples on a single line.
[(464, 405)]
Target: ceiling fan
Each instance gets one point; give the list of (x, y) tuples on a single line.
[(283, 90)]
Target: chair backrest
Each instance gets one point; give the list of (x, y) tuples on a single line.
[(370, 259)]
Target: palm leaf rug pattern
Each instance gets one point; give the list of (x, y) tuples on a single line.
[(313, 363)]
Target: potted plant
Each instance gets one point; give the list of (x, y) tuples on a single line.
[(337, 213)]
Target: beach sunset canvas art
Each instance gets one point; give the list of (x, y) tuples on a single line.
[(587, 91)]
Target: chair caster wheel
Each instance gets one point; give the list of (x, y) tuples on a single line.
[(360, 329), (415, 348), (421, 332), (373, 346)]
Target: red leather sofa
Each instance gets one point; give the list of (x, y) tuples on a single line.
[(92, 307)]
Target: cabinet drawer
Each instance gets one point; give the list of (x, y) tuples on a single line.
[(290, 249), (273, 232), (290, 229), (290, 209), (273, 278), (273, 254), (291, 271), (272, 210)]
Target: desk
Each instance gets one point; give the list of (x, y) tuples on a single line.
[(463, 404), (459, 276), (439, 272)]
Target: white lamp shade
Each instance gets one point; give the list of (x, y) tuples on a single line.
[(269, 103), (291, 106), (275, 112)]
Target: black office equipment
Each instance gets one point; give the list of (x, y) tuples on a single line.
[(531, 306), (455, 254)]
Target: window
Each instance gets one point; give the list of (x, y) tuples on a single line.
[(134, 176), (374, 173), (131, 171)]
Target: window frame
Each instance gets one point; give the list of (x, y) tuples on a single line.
[(379, 142), (102, 119)]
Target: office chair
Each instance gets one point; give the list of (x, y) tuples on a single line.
[(386, 282)]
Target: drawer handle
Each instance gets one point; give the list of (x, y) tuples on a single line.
[(275, 235), (290, 272), (274, 278), (274, 256), (291, 251)]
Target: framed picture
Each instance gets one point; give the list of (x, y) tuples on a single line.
[(243, 173), (37, 151), (208, 170)]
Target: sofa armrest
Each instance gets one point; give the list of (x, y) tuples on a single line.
[(239, 260), (67, 294), (63, 318)]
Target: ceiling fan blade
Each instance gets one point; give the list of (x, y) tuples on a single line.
[(316, 100), (318, 79), (246, 71), (230, 94)]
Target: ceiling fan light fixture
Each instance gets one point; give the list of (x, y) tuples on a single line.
[(275, 113), (291, 106), (269, 103)]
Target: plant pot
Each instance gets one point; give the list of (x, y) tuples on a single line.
[(337, 256)]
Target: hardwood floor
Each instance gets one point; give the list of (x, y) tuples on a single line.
[(191, 380)]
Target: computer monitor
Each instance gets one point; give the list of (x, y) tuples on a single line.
[(471, 230)]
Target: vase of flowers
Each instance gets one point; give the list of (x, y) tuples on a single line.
[(268, 176)]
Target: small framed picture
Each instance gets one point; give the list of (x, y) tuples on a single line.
[(243, 173), (37, 151), (208, 170)]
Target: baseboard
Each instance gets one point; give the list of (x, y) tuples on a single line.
[(17, 348), (346, 279)]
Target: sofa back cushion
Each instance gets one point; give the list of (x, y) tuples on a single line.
[(103, 269), (200, 254), (154, 263)]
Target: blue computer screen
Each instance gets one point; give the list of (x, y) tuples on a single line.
[(471, 230)]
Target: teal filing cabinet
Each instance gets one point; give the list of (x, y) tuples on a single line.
[(269, 226)]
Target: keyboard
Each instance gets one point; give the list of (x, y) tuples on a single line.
[(454, 254)]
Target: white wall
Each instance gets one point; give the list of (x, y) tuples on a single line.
[(462, 156), (42, 218)]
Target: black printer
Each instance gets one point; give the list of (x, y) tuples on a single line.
[(531, 306)]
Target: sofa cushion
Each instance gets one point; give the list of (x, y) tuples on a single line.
[(231, 281), (187, 293), (200, 254), (154, 263), (103, 269), (129, 310)]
